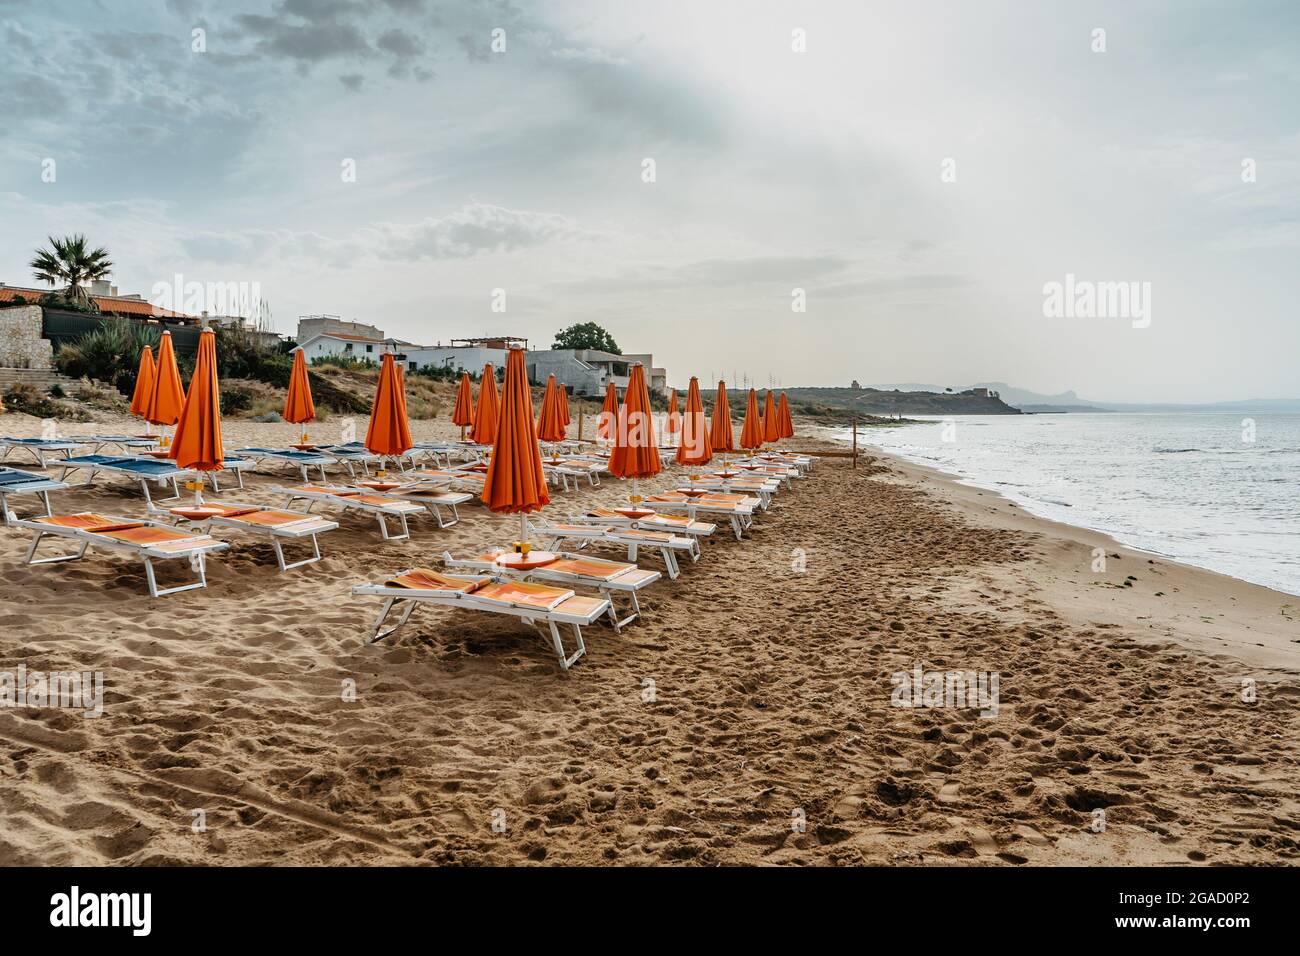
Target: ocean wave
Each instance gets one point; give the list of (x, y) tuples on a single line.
[(1173, 451)]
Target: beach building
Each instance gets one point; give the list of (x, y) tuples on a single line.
[(588, 371)]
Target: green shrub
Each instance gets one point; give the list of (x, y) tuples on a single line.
[(26, 398), (236, 399), (110, 353), (56, 391)]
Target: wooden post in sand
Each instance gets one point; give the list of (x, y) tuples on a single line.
[(581, 415), (855, 441)]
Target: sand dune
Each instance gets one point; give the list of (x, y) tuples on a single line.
[(746, 719)]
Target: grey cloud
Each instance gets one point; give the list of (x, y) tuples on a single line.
[(400, 44), (894, 284), (718, 273), (352, 81)]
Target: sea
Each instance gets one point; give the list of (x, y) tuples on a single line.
[(1216, 490)]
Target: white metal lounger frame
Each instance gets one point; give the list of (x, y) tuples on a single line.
[(740, 516), (451, 500), (607, 587), (382, 512), (303, 462), (202, 546), (127, 444), (762, 493), (553, 535), (534, 616), (38, 447), (700, 531), (70, 464), (351, 457), (274, 532), (37, 485)]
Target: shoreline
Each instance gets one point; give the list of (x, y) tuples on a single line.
[(1175, 608)]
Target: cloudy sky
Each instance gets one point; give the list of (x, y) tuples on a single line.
[(774, 169)]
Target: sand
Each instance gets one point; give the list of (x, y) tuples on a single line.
[(746, 719)]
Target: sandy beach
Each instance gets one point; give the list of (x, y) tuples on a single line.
[(746, 719)]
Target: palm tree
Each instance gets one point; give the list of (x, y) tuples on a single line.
[(68, 261)]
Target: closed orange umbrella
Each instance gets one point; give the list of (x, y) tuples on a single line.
[(197, 444), (783, 416), (635, 453), (144, 379), (564, 404), (720, 434), (771, 425), (608, 416), (463, 413), (515, 481), (673, 423), (695, 449), (389, 433), (751, 432), (298, 406), (489, 411), (168, 396), (550, 425)]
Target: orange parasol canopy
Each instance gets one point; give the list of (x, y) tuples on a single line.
[(197, 443), (564, 405), (783, 416), (463, 413), (673, 423), (298, 406), (489, 411), (771, 424), (168, 397), (515, 481), (635, 453), (720, 434), (390, 431), (608, 416), (751, 432), (144, 380), (550, 421), (695, 449)]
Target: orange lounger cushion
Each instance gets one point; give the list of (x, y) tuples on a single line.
[(147, 535), (339, 492), (603, 513), (581, 606), (590, 567), (649, 535), (424, 579), (272, 518), (517, 592), (88, 521), (377, 499)]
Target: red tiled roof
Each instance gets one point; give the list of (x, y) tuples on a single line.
[(107, 303), (346, 338)]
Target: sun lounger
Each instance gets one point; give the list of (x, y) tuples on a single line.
[(443, 503), (38, 448), (668, 545), (146, 540), (277, 526), (15, 482), (302, 460), (758, 488), (382, 507), (534, 604), (696, 530), (575, 468), (471, 481), (609, 578), (737, 509), (143, 470), (125, 444), (351, 455)]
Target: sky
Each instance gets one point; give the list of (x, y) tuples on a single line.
[(922, 171)]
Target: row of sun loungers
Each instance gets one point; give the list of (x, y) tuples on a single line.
[(563, 589)]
